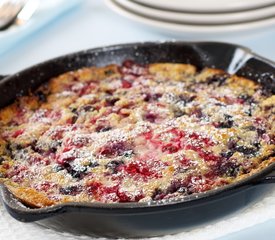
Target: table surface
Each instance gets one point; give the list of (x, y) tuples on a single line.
[(93, 25)]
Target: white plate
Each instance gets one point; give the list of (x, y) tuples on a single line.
[(189, 29), (197, 18), (207, 5)]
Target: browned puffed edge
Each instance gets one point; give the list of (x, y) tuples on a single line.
[(29, 196)]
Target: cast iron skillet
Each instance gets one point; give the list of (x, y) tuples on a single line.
[(143, 219)]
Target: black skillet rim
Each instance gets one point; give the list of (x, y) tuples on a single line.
[(186, 201)]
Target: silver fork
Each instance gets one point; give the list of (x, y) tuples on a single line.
[(9, 11)]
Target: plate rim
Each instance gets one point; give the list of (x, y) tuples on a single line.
[(206, 8), (199, 18), (188, 28)]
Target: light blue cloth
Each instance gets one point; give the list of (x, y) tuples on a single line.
[(45, 15)]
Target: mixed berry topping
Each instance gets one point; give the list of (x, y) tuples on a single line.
[(135, 132)]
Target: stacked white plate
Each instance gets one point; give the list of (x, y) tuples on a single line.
[(199, 16)]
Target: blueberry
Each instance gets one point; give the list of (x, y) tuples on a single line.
[(113, 165), (128, 154), (101, 128), (247, 150), (260, 131), (249, 112), (70, 190), (227, 123), (184, 99), (93, 164), (85, 108), (58, 168), (246, 98), (74, 110), (231, 144), (230, 169), (41, 96), (18, 146), (110, 101), (227, 154), (8, 149), (88, 108), (78, 172)]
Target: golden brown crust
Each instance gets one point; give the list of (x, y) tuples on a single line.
[(31, 197), (176, 71)]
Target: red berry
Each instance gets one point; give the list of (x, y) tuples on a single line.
[(18, 133), (126, 84)]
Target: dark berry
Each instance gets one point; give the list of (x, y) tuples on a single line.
[(41, 96), (246, 98), (2, 160), (128, 63), (8, 149), (197, 112), (249, 112), (74, 119), (114, 165), (78, 172), (114, 149), (218, 79), (227, 154), (268, 83), (86, 108), (53, 149), (174, 187), (170, 148), (158, 194), (231, 144), (103, 128), (110, 101), (152, 97), (150, 117), (147, 97), (70, 190), (184, 99), (251, 128), (247, 150), (260, 131), (93, 164), (128, 154), (58, 168), (156, 96), (178, 113), (230, 169), (74, 110), (227, 123)]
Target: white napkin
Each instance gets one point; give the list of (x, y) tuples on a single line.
[(261, 209), (47, 12)]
